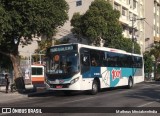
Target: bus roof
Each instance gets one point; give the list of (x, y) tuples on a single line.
[(100, 48)]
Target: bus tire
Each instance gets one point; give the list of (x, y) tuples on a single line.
[(94, 89), (130, 83)]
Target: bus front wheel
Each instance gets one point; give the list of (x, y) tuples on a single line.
[(94, 88)]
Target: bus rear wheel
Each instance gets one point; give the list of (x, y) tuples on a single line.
[(130, 83), (94, 88)]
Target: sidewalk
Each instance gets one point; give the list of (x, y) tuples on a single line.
[(14, 96), (10, 96)]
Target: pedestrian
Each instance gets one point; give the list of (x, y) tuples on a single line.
[(7, 82), (94, 63)]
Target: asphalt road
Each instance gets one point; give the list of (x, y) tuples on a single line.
[(143, 95)]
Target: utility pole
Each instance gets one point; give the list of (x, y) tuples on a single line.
[(133, 72)]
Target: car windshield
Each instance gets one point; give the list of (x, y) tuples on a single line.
[(66, 63)]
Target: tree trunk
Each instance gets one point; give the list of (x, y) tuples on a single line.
[(16, 66), (18, 76)]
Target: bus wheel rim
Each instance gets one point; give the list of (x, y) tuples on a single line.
[(95, 87)]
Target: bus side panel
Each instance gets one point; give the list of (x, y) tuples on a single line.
[(110, 77), (86, 83), (88, 77), (121, 75), (114, 76), (138, 77), (105, 80)]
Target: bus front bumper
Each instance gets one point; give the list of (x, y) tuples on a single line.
[(67, 86)]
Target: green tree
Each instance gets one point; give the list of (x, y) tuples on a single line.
[(147, 63), (125, 44), (22, 20), (5, 63), (99, 22), (155, 51), (102, 22)]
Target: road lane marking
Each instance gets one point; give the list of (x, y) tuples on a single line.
[(146, 104), (157, 100), (104, 95)]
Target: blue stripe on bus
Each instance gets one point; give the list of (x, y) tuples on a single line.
[(114, 73)]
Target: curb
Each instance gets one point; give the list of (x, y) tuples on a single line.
[(38, 94)]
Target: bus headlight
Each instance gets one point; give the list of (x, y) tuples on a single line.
[(74, 80)]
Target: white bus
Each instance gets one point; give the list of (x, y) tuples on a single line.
[(82, 67)]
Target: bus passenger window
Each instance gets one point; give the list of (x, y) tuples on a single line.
[(94, 63), (85, 60)]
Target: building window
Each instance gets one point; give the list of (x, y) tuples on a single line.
[(157, 29), (116, 6), (123, 12), (134, 4), (78, 2), (129, 2), (130, 16), (134, 17)]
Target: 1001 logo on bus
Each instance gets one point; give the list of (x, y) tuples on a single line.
[(116, 73)]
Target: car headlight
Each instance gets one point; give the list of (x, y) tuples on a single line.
[(74, 80)]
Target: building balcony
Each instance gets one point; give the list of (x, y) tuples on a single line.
[(156, 39)]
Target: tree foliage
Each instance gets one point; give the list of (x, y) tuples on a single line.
[(22, 20), (99, 22), (147, 62), (30, 18), (155, 51), (5, 62)]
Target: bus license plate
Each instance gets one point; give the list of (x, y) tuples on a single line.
[(59, 86)]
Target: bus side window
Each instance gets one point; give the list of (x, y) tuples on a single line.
[(85, 60), (95, 58), (85, 63)]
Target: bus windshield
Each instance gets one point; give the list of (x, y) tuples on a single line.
[(62, 63)]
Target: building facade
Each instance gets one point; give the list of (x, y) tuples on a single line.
[(80, 6), (132, 19), (152, 25), (131, 11)]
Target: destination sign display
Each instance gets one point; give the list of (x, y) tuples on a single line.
[(63, 48)]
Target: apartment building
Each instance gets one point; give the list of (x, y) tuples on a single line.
[(152, 25), (80, 6), (132, 19)]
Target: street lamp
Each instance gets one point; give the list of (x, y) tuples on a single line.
[(133, 31)]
